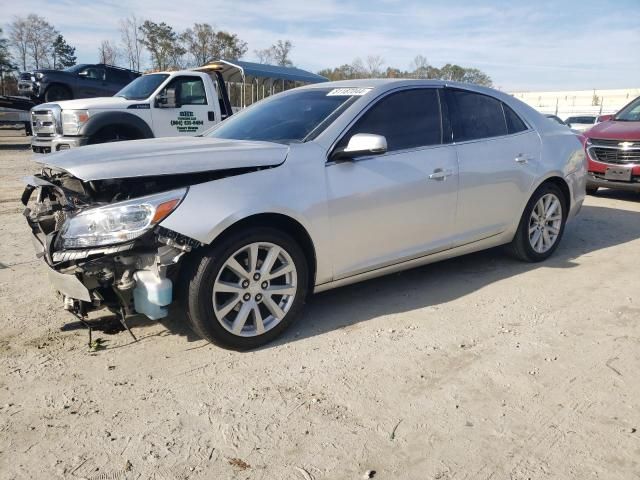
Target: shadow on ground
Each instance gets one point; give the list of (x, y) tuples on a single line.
[(594, 229)]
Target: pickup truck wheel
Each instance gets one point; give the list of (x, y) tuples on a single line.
[(541, 226), (592, 190), (56, 93), (246, 290)]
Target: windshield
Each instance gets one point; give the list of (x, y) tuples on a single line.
[(142, 87), (630, 113), (290, 118), (75, 68)]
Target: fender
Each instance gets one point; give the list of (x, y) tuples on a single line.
[(106, 119)]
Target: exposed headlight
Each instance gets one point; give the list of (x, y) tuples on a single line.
[(38, 75), (73, 120), (119, 222)]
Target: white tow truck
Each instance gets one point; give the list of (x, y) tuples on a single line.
[(162, 104)]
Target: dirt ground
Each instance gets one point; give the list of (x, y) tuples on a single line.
[(475, 368)]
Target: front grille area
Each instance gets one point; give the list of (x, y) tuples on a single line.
[(43, 123), (615, 151)]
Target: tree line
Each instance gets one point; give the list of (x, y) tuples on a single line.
[(374, 67), (34, 43)]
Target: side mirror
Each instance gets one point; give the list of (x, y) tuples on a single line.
[(604, 118), (167, 99), (359, 145), (83, 74)]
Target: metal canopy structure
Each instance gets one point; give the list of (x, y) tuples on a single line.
[(259, 75)]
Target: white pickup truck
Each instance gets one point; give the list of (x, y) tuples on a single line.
[(163, 104)]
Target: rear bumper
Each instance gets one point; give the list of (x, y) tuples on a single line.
[(56, 143), (595, 181)]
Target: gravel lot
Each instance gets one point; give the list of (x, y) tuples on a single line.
[(475, 368)]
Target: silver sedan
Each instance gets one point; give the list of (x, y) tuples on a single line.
[(305, 191)]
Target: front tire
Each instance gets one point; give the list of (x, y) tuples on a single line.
[(541, 226), (247, 289)]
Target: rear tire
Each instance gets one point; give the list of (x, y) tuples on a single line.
[(541, 226), (592, 190), (239, 309), (57, 93)]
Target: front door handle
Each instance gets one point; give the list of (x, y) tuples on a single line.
[(522, 158), (440, 174)]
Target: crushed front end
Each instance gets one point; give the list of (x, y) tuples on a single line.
[(102, 241)]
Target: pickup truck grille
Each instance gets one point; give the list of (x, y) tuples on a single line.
[(43, 123), (615, 151)]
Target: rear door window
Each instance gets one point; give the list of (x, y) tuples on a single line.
[(475, 116), (407, 119)]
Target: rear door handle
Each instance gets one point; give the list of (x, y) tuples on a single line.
[(440, 174), (522, 158)]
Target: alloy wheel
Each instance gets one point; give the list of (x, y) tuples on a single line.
[(545, 223), (255, 289)]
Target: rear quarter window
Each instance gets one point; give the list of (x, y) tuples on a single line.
[(514, 122)]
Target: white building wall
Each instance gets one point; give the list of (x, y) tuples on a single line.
[(578, 102)]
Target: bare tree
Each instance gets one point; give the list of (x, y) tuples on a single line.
[(19, 39), (281, 51), (358, 69), (131, 41), (108, 53), (374, 65), (420, 67), (264, 56), (278, 54), (40, 38), (32, 37)]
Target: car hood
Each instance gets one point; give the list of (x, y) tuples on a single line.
[(164, 156), (615, 130), (98, 103)]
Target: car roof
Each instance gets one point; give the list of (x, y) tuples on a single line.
[(383, 84)]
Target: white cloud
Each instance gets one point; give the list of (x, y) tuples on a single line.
[(521, 45)]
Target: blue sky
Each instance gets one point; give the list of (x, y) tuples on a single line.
[(522, 45)]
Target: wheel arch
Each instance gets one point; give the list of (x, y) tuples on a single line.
[(284, 223), (124, 120), (561, 183), (554, 178), (57, 84)]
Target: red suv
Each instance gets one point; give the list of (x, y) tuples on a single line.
[(613, 150)]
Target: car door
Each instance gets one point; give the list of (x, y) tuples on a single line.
[(498, 157), (190, 114), (92, 82), (392, 207)]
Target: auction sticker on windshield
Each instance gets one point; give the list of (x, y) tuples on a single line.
[(348, 92)]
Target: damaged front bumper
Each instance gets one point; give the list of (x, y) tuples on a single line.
[(135, 277)]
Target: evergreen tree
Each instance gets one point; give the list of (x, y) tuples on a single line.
[(64, 55)]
